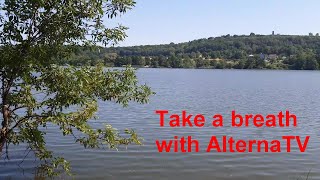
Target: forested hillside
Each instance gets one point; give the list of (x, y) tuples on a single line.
[(239, 52)]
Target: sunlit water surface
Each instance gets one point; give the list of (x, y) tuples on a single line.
[(198, 91)]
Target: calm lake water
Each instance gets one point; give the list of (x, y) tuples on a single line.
[(207, 92)]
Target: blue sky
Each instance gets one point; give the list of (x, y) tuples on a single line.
[(165, 21)]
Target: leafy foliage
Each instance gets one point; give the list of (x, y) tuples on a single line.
[(35, 35), (240, 52)]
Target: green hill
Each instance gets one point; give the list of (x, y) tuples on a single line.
[(240, 52)]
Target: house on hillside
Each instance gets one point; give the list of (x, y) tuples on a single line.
[(272, 56)]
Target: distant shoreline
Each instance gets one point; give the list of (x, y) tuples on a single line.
[(225, 52), (264, 69)]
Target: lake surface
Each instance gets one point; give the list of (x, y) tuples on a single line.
[(207, 92)]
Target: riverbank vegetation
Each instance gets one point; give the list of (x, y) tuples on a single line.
[(225, 52), (36, 93)]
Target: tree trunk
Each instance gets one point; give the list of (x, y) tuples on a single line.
[(5, 124)]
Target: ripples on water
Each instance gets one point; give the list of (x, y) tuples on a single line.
[(207, 92)]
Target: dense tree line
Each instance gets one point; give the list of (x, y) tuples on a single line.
[(239, 52)]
